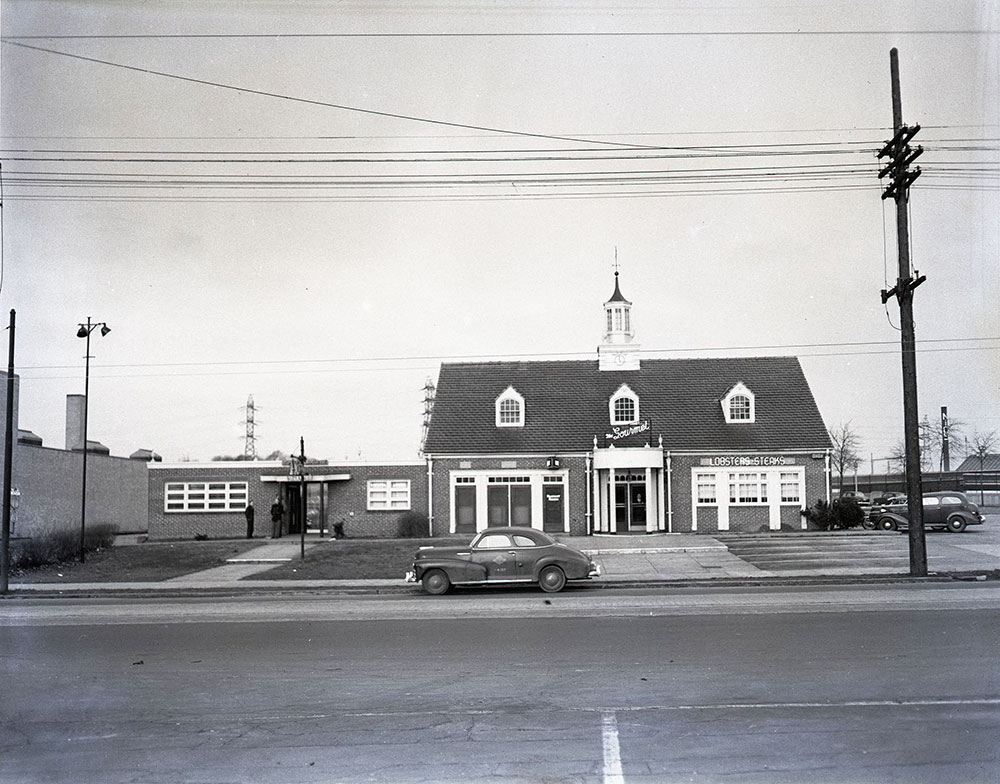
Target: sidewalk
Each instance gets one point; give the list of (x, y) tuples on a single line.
[(624, 561)]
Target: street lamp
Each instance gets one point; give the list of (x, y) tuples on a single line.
[(84, 332)]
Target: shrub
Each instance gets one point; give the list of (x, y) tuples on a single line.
[(842, 513), (59, 546), (411, 525)]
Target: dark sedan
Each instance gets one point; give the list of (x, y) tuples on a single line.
[(943, 510), (502, 556)]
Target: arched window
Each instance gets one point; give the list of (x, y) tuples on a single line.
[(739, 405), (739, 408), (510, 409), (623, 408)]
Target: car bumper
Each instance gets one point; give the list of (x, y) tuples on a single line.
[(410, 576), (595, 570)]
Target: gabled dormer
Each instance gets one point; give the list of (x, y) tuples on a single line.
[(739, 405), (509, 408), (623, 406), (618, 349)]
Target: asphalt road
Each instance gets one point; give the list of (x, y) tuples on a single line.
[(864, 684)]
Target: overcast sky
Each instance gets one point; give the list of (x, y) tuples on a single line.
[(315, 204)]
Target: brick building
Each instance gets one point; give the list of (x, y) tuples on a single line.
[(192, 499), (622, 444)]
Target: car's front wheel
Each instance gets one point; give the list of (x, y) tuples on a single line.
[(956, 524), (887, 524), (552, 579), (436, 582)]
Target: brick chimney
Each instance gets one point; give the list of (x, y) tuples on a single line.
[(74, 422)]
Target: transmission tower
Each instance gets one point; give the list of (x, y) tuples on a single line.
[(250, 440), (429, 390)]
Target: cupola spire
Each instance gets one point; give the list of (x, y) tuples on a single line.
[(618, 349)]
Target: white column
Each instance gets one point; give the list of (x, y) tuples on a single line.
[(652, 505)]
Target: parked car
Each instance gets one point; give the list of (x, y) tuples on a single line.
[(890, 502), (502, 556), (948, 509), (854, 495)]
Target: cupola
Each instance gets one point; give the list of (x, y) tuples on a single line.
[(618, 349)]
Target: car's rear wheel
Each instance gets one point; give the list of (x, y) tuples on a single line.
[(436, 582), (552, 579), (887, 524), (868, 524), (956, 524)]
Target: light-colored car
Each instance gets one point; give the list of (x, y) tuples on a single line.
[(502, 555)]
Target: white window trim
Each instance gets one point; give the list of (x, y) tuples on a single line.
[(380, 494), (623, 391), (739, 390), (198, 496), (510, 394)]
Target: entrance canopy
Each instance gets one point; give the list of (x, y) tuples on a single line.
[(628, 457), (309, 478)]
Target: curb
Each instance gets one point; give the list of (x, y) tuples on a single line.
[(386, 587)]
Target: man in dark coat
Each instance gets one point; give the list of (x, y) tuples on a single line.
[(249, 514), (277, 513)]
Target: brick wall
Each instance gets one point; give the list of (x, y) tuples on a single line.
[(347, 501), (50, 483), (746, 519), (576, 485)]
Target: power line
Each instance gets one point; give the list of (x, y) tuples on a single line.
[(310, 101), (513, 34), (498, 357)]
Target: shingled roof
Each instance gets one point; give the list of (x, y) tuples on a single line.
[(566, 405)]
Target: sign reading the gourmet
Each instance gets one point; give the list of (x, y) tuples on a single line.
[(618, 432), (748, 461)]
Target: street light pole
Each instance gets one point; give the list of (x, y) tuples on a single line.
[(302, 497), (84, 332)]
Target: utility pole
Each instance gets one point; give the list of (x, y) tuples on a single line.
[(945, 441), (901, 156), (8, 456)]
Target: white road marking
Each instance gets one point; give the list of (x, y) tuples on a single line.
[(612, 751)]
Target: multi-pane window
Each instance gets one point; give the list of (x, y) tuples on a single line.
[(508, 500), (791, 488), (510, 412), (748, 488), (388, 494), (739, 408), (205, 496), (624, 408), (706, 488), (510, 409)]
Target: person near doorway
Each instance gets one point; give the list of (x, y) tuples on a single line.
[(277, 517), (249, 515)]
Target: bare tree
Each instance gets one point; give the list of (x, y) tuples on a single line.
[(845, 455), (933, 436), (897, 459), (981, 445)]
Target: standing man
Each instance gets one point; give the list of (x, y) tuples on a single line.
[(277, 513), (249, 514)]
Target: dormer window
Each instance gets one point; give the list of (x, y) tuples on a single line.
[(738, 405), (623, 407), (510, 409)]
